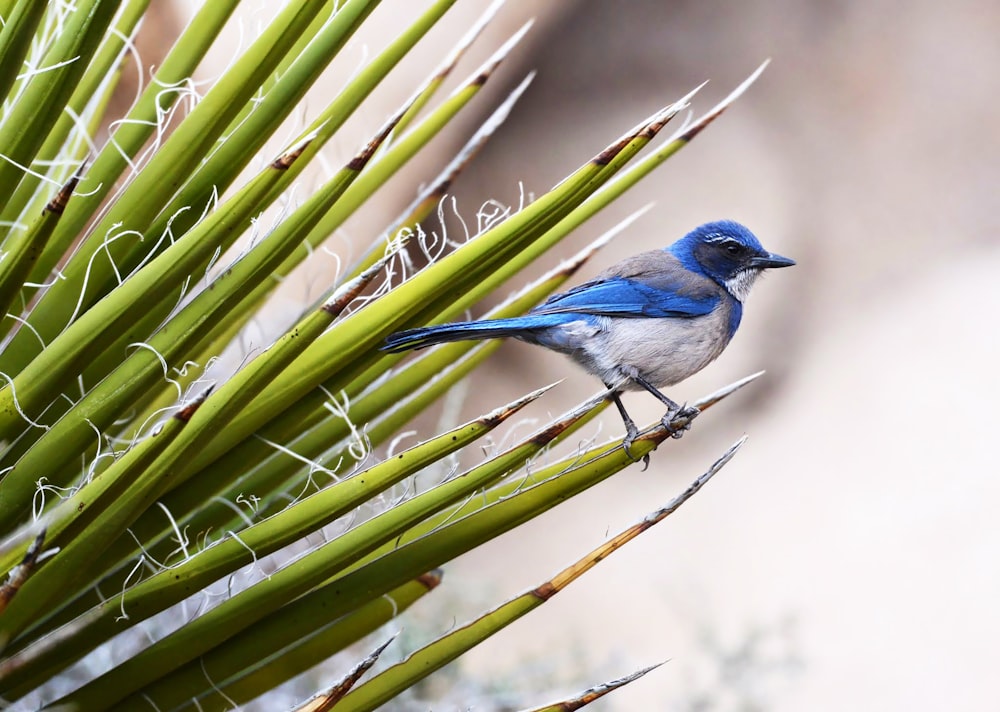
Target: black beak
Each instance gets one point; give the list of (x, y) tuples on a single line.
[(770, 261)]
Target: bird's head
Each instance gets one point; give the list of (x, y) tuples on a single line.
[(728, 253)]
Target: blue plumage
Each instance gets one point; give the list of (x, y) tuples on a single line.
[(650, 321), (619, 296)]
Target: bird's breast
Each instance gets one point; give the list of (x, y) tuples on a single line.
[(664, 351)]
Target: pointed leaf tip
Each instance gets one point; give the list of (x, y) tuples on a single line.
[(187, 412), (505, 411), (58, 204), (362, 157), (381, 649), (491, 64), (596, 692), (649, 128), (347, 292), (693, 488), (631, 677), (449, 62), (664, 115), (286, 159), (722, 461), (328, 700), (689, 132), (708, 401)]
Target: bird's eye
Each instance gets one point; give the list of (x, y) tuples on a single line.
[(733, 249)]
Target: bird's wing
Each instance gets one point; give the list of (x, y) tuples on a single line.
[(622, 297)]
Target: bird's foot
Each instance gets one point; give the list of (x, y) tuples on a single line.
[(677, 422), (631, 433)]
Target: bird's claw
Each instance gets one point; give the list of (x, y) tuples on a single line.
[(631, 433), (678, 422)]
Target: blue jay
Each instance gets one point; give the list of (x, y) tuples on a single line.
[(648, 322)]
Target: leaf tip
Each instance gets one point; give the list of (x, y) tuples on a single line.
[(505, 411), (708, 401)]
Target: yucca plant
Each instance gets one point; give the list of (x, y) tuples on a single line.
[(132, 480)]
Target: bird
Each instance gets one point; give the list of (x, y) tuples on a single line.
[(646, 323)]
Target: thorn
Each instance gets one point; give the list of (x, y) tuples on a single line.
[(490, 65), (673, 505), (286, 159), (649, 127), (663, 117), (361, 159), (560, 426), (347, 292), (449, 62), (708, 401), (685, 101), (688, 133), (622, 681), (381, 649), (499, 415), (58, 204), (184, 414), (327, 700), (478, 140), (679, 422)]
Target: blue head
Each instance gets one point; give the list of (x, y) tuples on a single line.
[(728, 253)]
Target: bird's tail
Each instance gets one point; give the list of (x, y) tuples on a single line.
[(457, 331)]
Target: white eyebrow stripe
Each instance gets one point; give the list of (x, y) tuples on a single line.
[(721, 238)]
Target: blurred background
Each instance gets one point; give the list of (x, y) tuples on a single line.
[(849, 557)]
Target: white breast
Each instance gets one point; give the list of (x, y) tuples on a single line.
[(663, 351)]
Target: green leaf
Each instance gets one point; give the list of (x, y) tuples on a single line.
[(241, 676), (389, 683), (15, 39), (37, 108), (172, 585), (132, 132), (22, 248), (106, 476), (96, 84), (151, 188)]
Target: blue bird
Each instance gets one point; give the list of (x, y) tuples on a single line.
[(646, 323)]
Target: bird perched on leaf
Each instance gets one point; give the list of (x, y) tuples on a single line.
[(646, 323)]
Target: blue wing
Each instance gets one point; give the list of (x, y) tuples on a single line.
[(622, 297)]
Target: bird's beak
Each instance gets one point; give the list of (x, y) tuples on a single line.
[(771, 261)]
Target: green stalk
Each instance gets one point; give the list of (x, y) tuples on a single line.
[(52, 654), (241, 675), (388, 684), (39, 106), (98, 80), (249, 609), (150, 189), (136, 127)]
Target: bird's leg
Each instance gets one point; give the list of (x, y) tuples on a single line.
[(631, 430), (674, 412)]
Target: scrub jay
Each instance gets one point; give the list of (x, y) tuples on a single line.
[(650, 321)]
